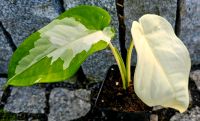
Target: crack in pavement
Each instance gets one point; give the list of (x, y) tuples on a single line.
[(8, 37)]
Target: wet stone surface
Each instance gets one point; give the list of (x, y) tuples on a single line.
[(23, 17), (189, 29), (96, 66), (134, 9), (5, 52), (26, 100), (68, 105)]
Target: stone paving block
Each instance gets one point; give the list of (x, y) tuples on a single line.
[(23, 17), (5, 53), (190, 28), (26, 100), (68, 105)]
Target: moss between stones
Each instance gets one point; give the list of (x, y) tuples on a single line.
[(5, 116)]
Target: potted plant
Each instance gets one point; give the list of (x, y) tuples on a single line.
[(55, 53)]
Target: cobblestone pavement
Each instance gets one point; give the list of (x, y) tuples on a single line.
[(65, 101)]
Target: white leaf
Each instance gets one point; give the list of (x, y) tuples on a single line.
[(163, 64)]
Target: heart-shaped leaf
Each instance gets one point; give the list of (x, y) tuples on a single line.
[(163, 64), (55, 52)]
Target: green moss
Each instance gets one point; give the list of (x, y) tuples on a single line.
[(5, 116)]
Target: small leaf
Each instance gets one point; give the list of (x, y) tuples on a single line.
[(163, 64), (55, 52)]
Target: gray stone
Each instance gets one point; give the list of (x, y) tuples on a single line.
[(67, 105), (134, 9), (96, 66), (190, 115), (195, 76), (2, 83), (83, 94), (190, 28), (5, 53), (26, 100), (23, 17), (153, 117)]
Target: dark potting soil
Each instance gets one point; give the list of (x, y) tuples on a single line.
[(112, 95), (110, 102)]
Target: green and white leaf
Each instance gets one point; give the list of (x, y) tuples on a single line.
[(62, 39), (163, 64), (60, 48)]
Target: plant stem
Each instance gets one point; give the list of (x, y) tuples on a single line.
[(120, 64), (128, 62)]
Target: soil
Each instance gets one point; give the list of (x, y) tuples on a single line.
[(112, 95), (110, 102)]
